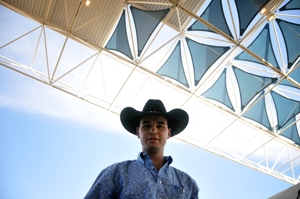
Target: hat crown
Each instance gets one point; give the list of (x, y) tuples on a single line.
[(154, 106)]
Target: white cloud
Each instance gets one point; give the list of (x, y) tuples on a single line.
[(23, 94)]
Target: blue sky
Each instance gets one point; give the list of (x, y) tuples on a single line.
[(54, 145)]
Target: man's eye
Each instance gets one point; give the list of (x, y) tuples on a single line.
[(147, 126)]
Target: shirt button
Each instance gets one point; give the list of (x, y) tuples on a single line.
[(152, 167), (183, 191), (160, 181)]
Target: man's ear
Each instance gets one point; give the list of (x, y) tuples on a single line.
[(169, 133), (137, 132)]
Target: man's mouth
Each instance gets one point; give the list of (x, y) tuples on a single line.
[(152, 138)]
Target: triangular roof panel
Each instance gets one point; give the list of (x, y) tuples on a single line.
[(258, 113), (292, 132), (287, 83), (212, 14), (145, 23), (119, 39), (261, 46), (291, 5), (173, 67), (295, 74), (290, 33), (285, 108), (246, 15), (203, 57), (219, 91), (250, 85)]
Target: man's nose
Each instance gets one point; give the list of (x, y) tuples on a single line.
[(153, 130)]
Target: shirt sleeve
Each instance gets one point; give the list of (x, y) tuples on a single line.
[(195, 190), (104, 186)]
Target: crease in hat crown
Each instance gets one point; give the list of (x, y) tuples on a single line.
[(177, 118)]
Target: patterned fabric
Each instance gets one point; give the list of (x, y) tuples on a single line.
[(139, 179)]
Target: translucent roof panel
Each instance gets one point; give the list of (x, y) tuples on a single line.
[(145, 23), (295, 74), (219, 92), (286, 108), (290, 32), (173, 67), (291, 5), (287, 83), (258, 113), (213, 14), (292, 132), (262, 47), (250, 85), (119, 39), (203, 57), (246, 15)]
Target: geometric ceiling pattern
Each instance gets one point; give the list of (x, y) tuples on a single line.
[(233, 65)]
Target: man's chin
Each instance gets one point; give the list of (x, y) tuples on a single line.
[(152, 149)]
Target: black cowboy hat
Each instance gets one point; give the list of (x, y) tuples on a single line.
[(178, 119)]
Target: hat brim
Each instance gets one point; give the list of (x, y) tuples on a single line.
[(178, 119)]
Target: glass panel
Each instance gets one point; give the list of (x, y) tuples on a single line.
[(219, 92), (250, 85), (212, 15), (203, 57), (145, 24), (291, 132), (262, 47), (286, 108), (293, 4), (173, 67), (287, 83), (291, 36), (296, 74), (258, 113), (119, 40), (247, 11)]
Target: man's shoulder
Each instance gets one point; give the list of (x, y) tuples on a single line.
[(118, 165)]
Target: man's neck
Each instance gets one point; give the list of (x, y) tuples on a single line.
[(157, 159)]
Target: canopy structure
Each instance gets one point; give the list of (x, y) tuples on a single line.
[(233, 65)]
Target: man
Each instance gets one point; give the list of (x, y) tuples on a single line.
[(150, 176)]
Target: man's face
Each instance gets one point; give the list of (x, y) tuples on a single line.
[(153, 133)]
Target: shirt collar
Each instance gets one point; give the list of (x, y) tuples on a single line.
[(143, 157)]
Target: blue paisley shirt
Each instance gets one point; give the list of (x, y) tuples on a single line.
[(139, 179)]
